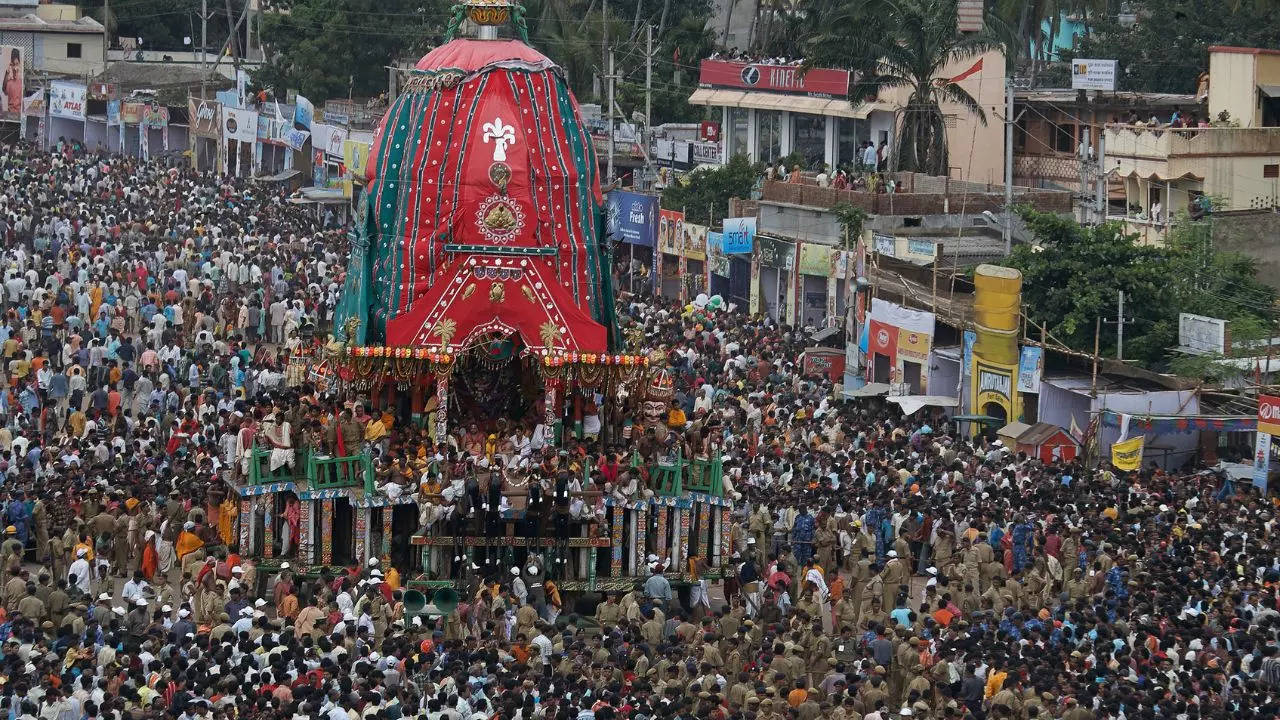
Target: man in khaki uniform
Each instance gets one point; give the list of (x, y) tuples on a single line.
[(893, 575)]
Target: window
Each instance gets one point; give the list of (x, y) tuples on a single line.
[(1271, 171), (768, 135), (1064, 138), (809, 138), (73, 50), (853, 132), (737, 131)]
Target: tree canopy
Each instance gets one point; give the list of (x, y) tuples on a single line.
[(1072, 275), (1168, 47), (704, 195)]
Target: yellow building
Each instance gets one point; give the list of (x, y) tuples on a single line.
[(1235, 160)]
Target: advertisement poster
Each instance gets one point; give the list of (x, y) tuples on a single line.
[(632, 217), (739, 235), (717, 261), (1262, 461), (34, 104), (130, 113), (205, 117), (303, 114), (694, 246), (67, 100), (670, 230), (113, 112), (239, 125), (155, 116), (1029, 369), (13, 82)]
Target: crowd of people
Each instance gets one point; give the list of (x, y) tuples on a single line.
[(880, 565)]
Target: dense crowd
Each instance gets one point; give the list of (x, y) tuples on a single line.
[(881, 566)]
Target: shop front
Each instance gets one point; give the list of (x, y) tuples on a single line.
[(693, 259), (668, 261), (899, 341), (821, 271), (204, 118), (776, 262)]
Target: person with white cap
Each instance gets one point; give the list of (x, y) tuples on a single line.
[(80, 573)]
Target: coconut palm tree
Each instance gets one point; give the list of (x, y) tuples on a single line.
[(905, 44)]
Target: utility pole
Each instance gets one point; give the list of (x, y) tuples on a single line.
[(1120, 323), (204, 38), (1082, 155), (609, 174), (106, 32), (647, 138), (1008, 166), (1100, 199)]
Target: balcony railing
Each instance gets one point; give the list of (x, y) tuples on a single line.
[(1141, 141)]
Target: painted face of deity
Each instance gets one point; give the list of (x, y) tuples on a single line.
[(653, 410)]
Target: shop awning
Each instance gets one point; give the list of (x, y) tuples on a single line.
[(911, 403), (1271, 91), (868, 390), (835, 107)]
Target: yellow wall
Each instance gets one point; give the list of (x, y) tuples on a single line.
[(54, 56), (57, 11), (977, 150), (1233, 86)]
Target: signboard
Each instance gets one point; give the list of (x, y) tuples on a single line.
[(1269, 414), (295, 138), (818, 260), (1199, 334), (705, 153), (694, 245), (303, 114), (34, 105), (882, 339), (994, 384), (1261, 461), (355, 156), (113, 112), (819, 82), (717, 261), (1030, 366), (205, 117), (130, 113), (824, 361), (776, 253), (14, 77), (239, 125), (632, 217), (156, 116), (670, 228), (328, 139), (1093, 75), (67, 100), (884, 244), (739, 235)]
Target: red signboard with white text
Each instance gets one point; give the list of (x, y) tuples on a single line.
[(820, 82), (1269, 414)]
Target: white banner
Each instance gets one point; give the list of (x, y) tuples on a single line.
[(328, 138), (240, 125), (67, 100), (906, 319)]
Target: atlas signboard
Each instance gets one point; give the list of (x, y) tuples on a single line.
[(1269, 414), (817, 82)]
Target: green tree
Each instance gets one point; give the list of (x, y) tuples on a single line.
[(335, 48), (908, 45), (1168, 47), (704, 195), (1072, 275)]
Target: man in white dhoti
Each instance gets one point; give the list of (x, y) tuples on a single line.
[(277, 432)]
